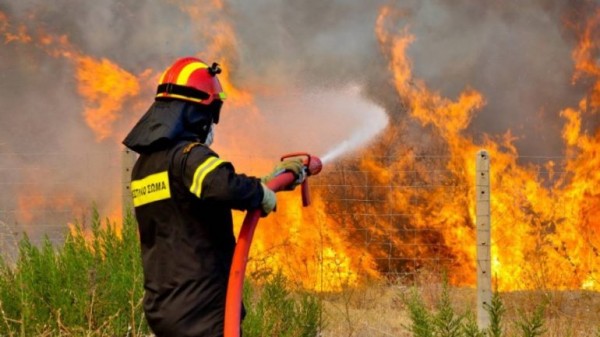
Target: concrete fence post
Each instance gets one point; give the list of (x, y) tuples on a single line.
[(128, 158), (483, 226)]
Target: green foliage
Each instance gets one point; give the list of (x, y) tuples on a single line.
[(273, 311), (90, 287), (496, 310), (532, 325), (446, 322), (443, 321), (470, 328), (421, 320)]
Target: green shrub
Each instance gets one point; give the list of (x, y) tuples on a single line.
[(272, 310), (444, 322), (496, 310), (421, 319), (532, 325), (470, 327), (90, 287)]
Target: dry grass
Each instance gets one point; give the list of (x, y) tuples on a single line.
[(378, 310), (374, 310), (569, 313)]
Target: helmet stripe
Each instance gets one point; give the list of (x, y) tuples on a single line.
[(184, 81), (185, 98), (187, 71), (162, 77), (172, 72)]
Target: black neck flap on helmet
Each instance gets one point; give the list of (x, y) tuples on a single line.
[(168, 122)]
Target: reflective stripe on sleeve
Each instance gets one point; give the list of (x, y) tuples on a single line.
[(203, 169), (154, 187)]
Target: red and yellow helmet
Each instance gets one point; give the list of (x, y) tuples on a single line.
[(192, 80)]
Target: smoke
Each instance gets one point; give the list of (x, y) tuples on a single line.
[(315, 43), (517, 55), (298, 59)]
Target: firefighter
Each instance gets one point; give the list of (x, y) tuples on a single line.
[(183, 194)]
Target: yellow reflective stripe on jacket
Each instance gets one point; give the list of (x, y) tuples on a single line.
[(154, 187), (203, 169)]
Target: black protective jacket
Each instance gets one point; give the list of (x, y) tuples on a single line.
[(183, 195)]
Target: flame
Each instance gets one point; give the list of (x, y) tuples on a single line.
[(578, 191), (542, 237), (221, 45), (308, 246), (546, 229), (20, 35), (105, 86), (35, 205)]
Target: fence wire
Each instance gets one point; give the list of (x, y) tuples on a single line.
[(44, 192), (387, 211), (407, 217)]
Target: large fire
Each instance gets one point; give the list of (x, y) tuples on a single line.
[(546, 228), (543, 236)]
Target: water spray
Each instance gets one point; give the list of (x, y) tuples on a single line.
[(233, 302), (343, 147), (374, 121), (348, 145)]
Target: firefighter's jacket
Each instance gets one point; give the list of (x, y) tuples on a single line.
[(183, 197)]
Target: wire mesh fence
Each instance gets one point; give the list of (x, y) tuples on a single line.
[(408, 218), (44, 192), (545, 226)]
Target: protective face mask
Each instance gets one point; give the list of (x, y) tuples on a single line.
[(211, 135)]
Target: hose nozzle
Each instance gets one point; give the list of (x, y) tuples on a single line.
[(312, 165)]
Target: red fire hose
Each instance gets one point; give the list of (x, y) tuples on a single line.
[(233, 303)]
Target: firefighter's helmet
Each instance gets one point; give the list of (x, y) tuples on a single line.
[(190, 79)]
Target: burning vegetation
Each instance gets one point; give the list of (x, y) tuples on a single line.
[(404, 201)]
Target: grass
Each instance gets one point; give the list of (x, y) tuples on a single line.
[(274, 310), (91, 285), (384, 309)]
